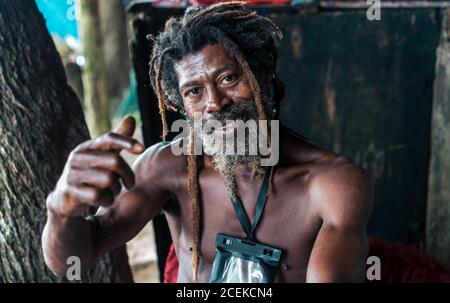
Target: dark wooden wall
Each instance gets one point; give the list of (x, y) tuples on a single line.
[(438, 202), (360, 88), (364, 89)]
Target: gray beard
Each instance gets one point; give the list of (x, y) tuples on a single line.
[(226, 165)]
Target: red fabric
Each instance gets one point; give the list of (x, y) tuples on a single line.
[(171, 267), (400, 263), (404, 263)]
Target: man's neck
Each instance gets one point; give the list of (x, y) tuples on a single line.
[(245, 173)]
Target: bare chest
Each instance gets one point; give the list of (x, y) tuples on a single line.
[(288, 222)]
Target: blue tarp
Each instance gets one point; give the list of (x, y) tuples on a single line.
[(60, 17)]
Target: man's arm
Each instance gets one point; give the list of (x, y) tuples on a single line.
[(343, 198), (90, 178)]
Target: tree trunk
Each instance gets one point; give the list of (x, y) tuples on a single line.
[(94, 74), (41, 121), (113, 26)]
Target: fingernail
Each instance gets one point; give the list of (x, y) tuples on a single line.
[(138, 147)]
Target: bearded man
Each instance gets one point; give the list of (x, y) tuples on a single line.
[(217, 62)]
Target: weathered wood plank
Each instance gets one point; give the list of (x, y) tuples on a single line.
[(438, 210), (364, 89)]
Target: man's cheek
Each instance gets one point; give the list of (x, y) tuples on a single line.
[(242, 91), (193, 109)]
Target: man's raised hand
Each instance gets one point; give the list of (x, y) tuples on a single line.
[(92, 172)]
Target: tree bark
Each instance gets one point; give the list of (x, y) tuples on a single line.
[(41, 121), (94, 74)]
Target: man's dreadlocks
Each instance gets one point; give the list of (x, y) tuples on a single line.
[(249, 38)]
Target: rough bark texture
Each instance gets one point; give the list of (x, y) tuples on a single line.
[(41, 120), (113, 26), (438, 214), (94, 74)]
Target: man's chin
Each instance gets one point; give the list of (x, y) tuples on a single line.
[(227, 164)]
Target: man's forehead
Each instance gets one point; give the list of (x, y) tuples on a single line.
[(206, 60)]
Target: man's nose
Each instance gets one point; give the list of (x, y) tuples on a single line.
[(217, 101)]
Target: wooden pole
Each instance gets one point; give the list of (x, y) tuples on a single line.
[(94, 74)]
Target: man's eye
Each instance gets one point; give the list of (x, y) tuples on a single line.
[(229, 79), (193, 92)]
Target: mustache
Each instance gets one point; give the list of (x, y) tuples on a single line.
[(245, 110)]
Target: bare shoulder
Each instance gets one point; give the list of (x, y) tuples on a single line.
[(160, 165), (341, 191), (338, 189), (338, 170)]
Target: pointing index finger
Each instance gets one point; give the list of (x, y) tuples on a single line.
[(126, 128), (115, 142)]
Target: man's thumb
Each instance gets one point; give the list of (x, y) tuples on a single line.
[(126, 127)]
